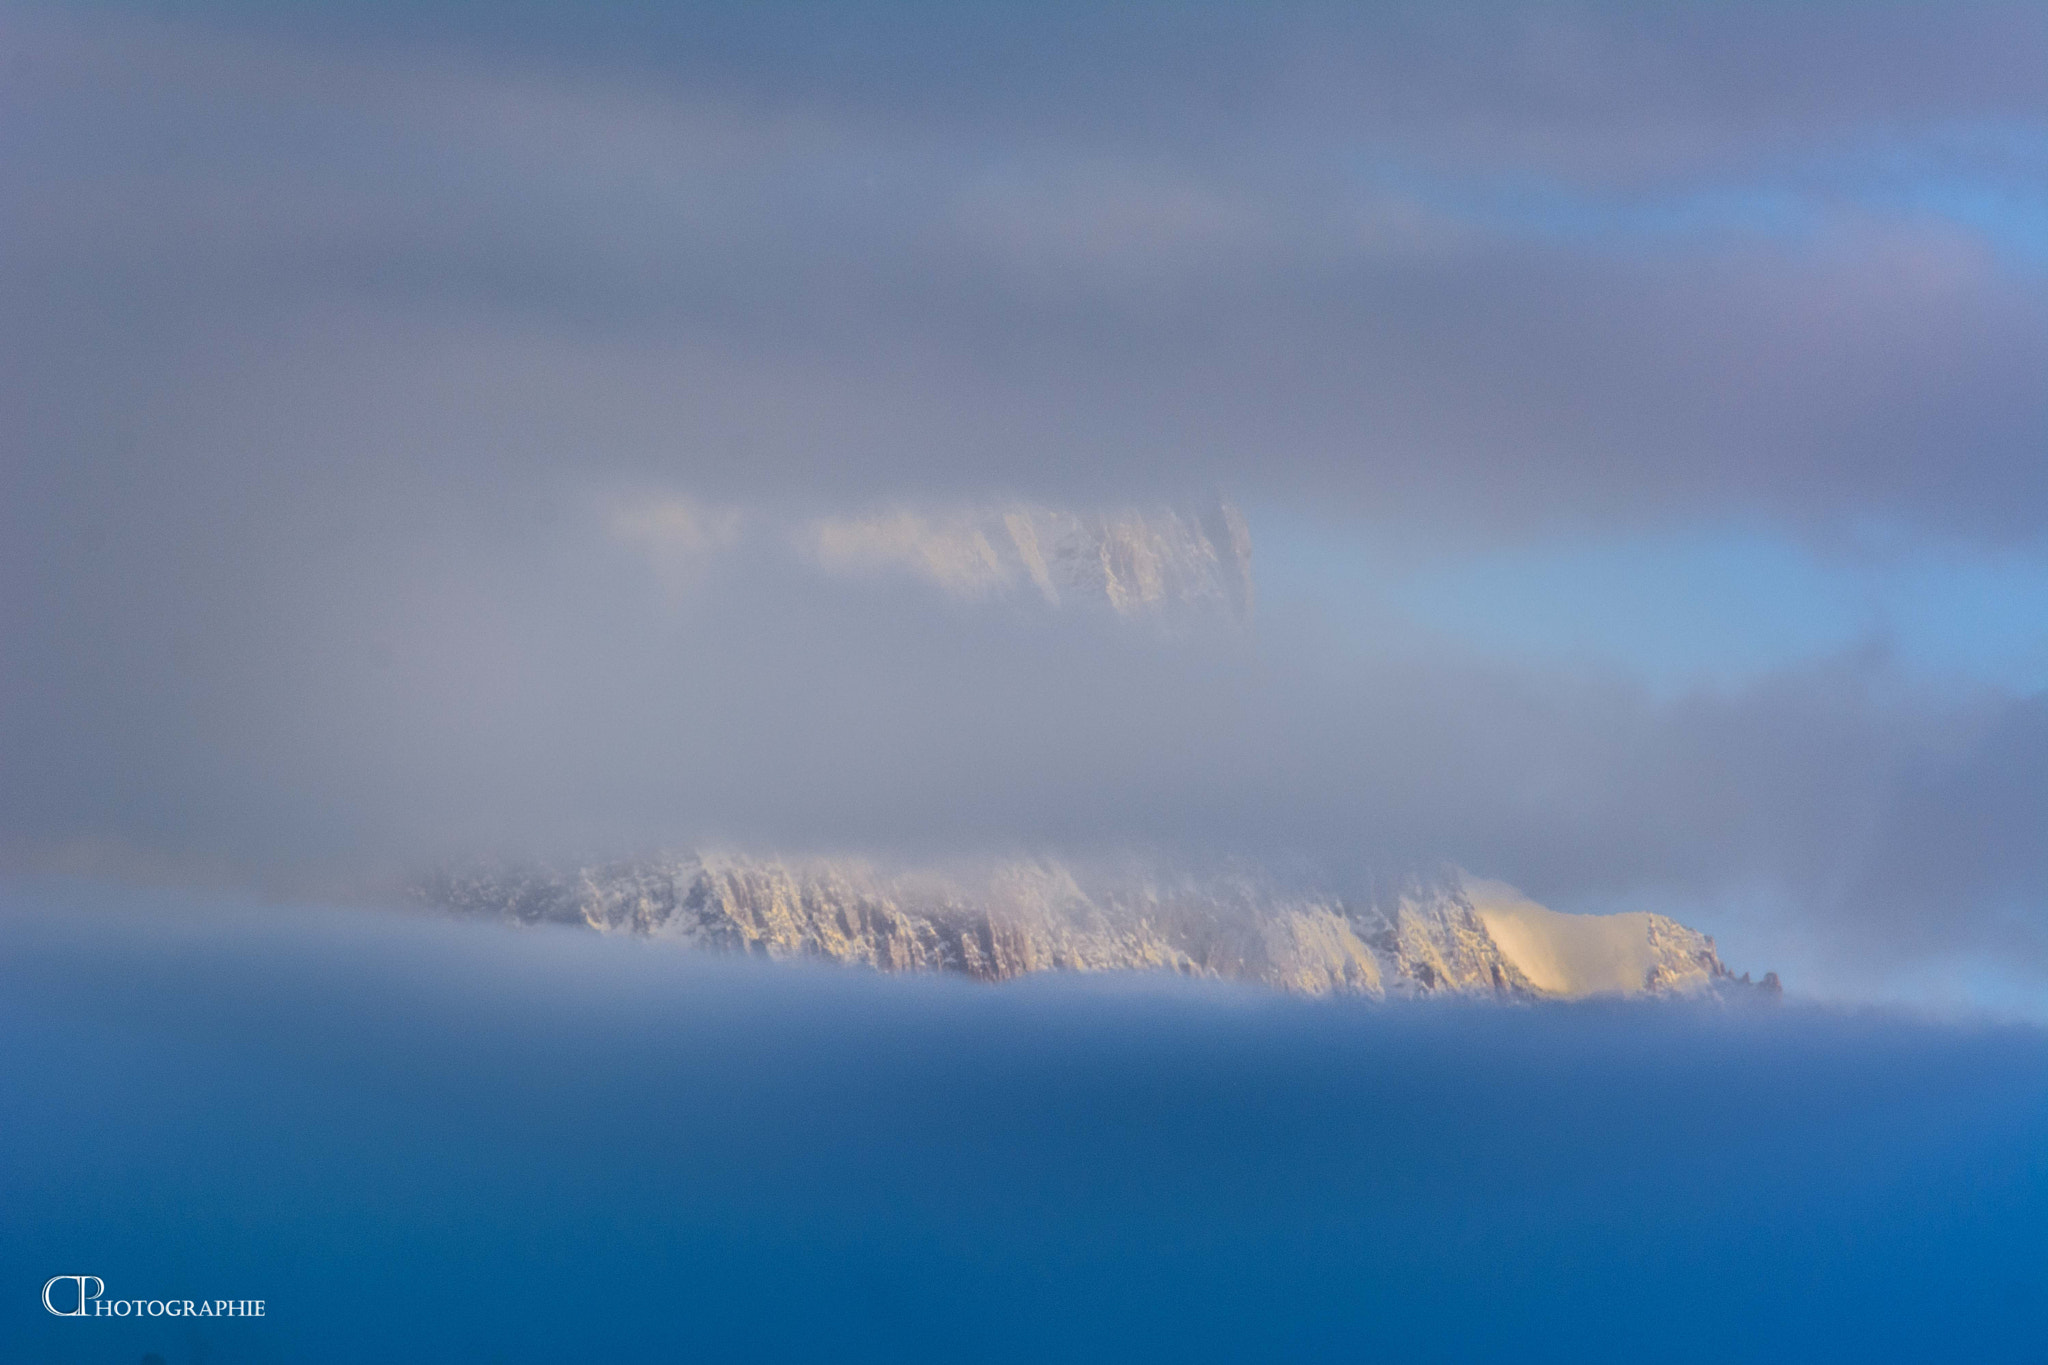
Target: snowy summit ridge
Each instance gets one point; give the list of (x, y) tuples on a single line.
[(1135, 562), (1453, 935)]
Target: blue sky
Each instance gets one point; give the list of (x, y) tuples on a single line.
[(1984, 179), (1715, 607)]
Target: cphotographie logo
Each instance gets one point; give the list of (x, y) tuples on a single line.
[(82, 1296)]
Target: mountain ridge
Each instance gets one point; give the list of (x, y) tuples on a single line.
[(1448, 935), (1137, 562)]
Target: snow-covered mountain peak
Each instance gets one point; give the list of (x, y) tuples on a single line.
[(1132, 561), (1449, 935)]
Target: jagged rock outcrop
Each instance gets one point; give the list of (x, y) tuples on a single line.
[(1448, 935), (1138, 563)]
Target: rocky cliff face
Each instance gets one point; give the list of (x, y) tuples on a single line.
[(1448, 936)]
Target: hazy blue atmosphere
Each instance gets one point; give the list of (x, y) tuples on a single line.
[(1592, 453), (419, 1140)]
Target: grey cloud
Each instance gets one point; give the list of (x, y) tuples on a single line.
[(333, 340), (1962, 832), (886, 277), (535, 687)]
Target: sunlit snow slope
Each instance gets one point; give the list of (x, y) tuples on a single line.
[(1444, 935)]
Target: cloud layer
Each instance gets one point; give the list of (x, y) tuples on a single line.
[(404, 416), (485, 1131)]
